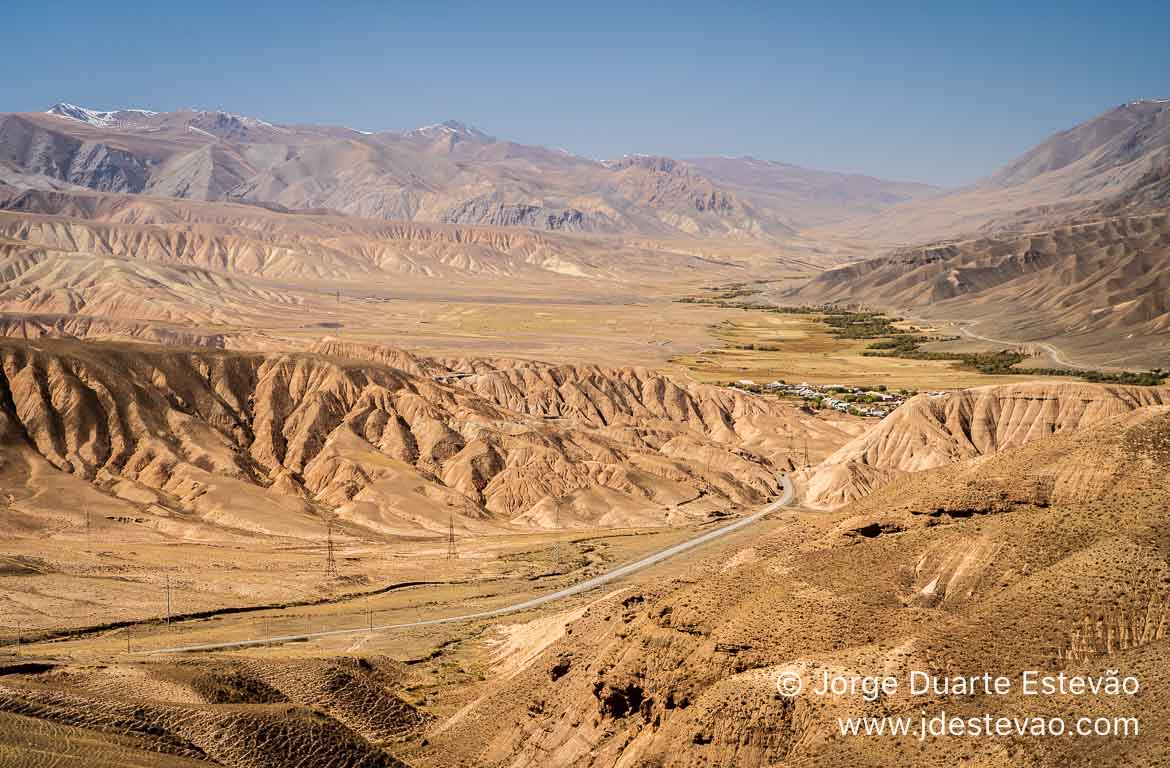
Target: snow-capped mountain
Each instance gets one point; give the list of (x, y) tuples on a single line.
[(448, 128), (449, 172), (95, 117)]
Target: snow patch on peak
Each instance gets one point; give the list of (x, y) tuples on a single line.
[(95, 117), (248, 122), (448, 127)]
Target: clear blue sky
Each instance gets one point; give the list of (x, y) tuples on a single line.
[(927, 91)]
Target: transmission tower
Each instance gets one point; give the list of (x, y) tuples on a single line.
[(452, 553), (557, 530), (330, 558), (804, 443), (168, 599)]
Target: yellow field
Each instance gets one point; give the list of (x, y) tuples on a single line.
[(696, 340), (799, 348), (616, 334)]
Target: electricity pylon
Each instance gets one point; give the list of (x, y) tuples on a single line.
[(557, 529), (330, 558), (452, 553)]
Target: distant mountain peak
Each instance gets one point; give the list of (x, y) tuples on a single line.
[(95, 117), (450, 127), (132, 118), (659, 163), (222, 118)]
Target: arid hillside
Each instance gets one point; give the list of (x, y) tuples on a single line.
[(253, 241), (965, 569), (931, 431), (1101, 288), (811, 198), (1113, 162), (240, 276), (330, 713), (203, 445), (1047, 555)]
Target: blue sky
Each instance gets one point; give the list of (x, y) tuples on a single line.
[(935, 92)]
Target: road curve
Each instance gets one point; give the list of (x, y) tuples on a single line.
[(786, 497), (1053, 352)]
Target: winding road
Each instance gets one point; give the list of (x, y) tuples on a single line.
[(1053, 353), (786, 497)]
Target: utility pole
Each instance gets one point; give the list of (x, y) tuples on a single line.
[(330, 558), (88, 529), (127, 638), (369, 615), (452, 553), (168, 600), (557, 530), (805, 444)]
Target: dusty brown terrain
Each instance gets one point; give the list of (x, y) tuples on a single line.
[(163, 447), (284, 385), (970, 568), (1047, 555)]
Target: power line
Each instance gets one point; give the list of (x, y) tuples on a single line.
[(452, 553), (330, 558), (557, 532)]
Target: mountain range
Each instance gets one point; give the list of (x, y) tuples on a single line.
[(444, 173), (452, 172)]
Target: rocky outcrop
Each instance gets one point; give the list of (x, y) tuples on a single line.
[(86, 162)]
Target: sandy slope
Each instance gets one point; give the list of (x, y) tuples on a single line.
[(931, 431)]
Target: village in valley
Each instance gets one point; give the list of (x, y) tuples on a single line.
[(859, 401)]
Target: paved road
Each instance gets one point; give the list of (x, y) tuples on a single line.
[(584, 586)]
